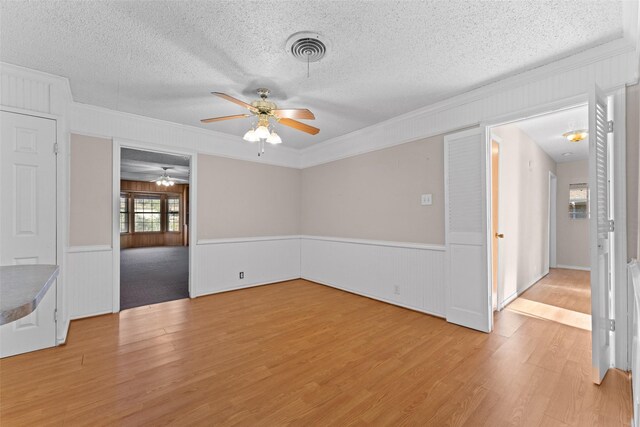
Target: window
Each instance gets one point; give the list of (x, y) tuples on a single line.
[(124, 213), (146, 213), (578, 201), (173, 214)]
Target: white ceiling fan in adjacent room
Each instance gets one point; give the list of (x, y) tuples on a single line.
[(164, 179)]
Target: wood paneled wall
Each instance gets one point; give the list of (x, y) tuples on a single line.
[(143, 239)]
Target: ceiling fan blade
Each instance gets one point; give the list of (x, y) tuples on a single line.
[(236, 101), (294, 113), (299, 125), (219, 119)]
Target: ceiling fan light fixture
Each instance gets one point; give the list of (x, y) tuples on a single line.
[(262, 132), (274, 138), (576, 135), (251, 136), (164, 179)]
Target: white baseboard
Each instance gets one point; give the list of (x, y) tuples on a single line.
[(573, 267), (366, 295), (63, 339), (244, 286), (519, 292)]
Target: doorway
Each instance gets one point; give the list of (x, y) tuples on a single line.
[(541, 250), (154, 200)]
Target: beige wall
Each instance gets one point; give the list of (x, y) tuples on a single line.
[(238, 198), (524, 204), (633, 154), (90, 192), (572, 234), (377, 195)]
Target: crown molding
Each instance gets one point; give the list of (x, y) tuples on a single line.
[(101, 121), (342, 146), (104, 122)]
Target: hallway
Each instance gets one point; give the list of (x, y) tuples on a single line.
[(562, 296)]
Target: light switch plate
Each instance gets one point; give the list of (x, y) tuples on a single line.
[(425, 200)]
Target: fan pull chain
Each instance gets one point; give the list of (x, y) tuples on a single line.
[(308, 56)]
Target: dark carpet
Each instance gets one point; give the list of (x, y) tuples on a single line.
[(153, 275)]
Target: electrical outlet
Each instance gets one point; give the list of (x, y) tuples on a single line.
[(396, 290), (426, 200), (241, 274)]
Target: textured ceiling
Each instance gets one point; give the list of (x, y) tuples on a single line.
[(139, 165), (161, 59), (547, 130)]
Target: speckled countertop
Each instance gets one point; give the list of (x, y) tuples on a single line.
[(22, 287)]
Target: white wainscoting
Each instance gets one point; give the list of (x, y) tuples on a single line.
[(262, 259), (89, 280), (405, 274)]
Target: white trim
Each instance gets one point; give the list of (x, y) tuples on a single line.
[(508, 300), (381, 299), (573, 267), (29, 112), (102, 122), (119, 143), (519, 292), (469, 107), (552, 220), (86, 316), (409, 245), (245, 239), (64, 333), (115, 224), (248, 285), (94, 248), (621, 284)]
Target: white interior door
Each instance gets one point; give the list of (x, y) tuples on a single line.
[(28, 219), (599, 138), (468, 281)]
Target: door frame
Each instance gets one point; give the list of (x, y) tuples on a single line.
[(119, 143), (552, 221), (620, 286)]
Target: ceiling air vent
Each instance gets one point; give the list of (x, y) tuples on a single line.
[(307, 46)]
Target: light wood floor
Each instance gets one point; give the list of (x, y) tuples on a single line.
[(564, 288), (305, 354), (561, 296)]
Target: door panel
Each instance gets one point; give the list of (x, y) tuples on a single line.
[(28, 219), (32, 332), (468, 290), (599, 138), (28, 184)]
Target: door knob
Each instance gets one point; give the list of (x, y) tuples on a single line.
[(499, 235)]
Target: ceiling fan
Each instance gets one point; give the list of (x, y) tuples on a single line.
[(164, 179), (265, 110)]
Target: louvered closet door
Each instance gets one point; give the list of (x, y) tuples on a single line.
[(599, 138), (467, 284)]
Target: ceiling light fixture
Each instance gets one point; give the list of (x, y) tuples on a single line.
[(575, 135), (567, 154), (265, 110), (263, 131), (165, 179)]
